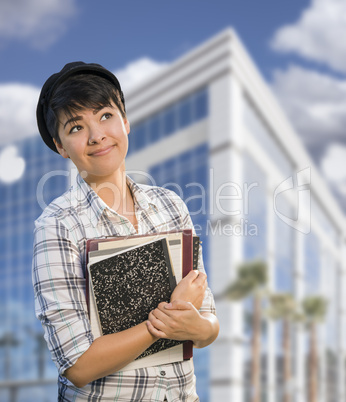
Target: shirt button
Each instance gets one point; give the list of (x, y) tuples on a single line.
[(163, 373)]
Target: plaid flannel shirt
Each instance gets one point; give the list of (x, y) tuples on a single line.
[(59, 262)]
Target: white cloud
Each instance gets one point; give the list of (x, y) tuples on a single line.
[(38, 22), (137, 72), (17, 112), (314, 102), (12, 165), (318, 34)]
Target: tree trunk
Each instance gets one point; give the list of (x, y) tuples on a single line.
[(286, 365), (256, 352), (313, 363)]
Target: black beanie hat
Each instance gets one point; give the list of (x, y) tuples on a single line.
[(77, 67)]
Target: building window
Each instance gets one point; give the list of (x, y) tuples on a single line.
[(262, 133), (312, 264), (324, 222), (169, 121), (184, 113), (255, 217), (166, 122), (201, 105), (284, 249), (154, 129)]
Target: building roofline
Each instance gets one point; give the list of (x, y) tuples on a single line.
[(217, 56)]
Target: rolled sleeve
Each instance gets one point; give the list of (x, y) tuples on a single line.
[(59, 289)]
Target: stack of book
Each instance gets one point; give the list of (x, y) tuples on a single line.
[(127, 277)]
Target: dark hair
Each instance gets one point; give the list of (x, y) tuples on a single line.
[(81, 91)]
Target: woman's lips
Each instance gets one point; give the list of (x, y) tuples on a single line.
[(102, 151)]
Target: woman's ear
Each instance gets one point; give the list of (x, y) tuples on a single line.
[(60, 149), (127, 126)]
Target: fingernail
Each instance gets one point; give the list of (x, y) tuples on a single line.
[(168, 305)]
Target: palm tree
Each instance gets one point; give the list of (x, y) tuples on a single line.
[(40, 350), (251, 280), (283, 307), (7, 341), (314, 310)]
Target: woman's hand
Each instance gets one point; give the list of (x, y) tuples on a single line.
[(178, 320), (181, 321), (191, 289)]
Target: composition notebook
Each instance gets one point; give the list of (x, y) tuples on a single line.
[(183, 250)]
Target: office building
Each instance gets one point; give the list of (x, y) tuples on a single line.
[(209, 128), (26, 371)]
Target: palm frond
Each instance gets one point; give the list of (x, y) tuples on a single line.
[(282, 306), (252, 276), (314, 309), (239, 289)]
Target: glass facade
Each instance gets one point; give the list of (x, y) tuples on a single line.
[(312, 265), (187, 175), (323, 221), (23, 353), (284, 257), (166, 122), (321, 272), (255, 242), (263, 134)]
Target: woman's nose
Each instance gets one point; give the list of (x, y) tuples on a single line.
[(95, 136)]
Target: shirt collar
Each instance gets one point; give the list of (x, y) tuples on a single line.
[(140, 197), (89, 199)]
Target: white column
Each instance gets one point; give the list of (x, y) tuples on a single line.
[(226, 248), (322, 335), (342, 325), (300, 350), (271, 341)]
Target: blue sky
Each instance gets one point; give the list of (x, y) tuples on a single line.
[(115, 33), (297, 45)]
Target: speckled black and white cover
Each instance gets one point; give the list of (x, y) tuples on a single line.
[(129, 285)]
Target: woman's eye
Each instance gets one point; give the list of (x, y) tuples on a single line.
[(106, 116), (75, 129)]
